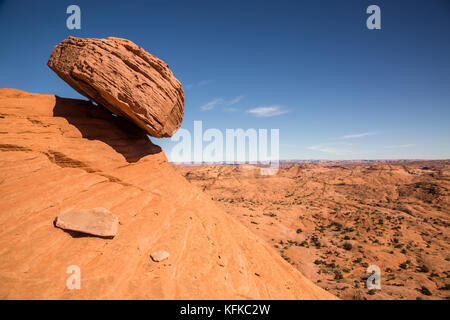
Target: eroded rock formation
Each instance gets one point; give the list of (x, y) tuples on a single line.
[(123, 77), (60, 155)]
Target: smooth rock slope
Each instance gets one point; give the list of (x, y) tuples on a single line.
[(60, 155), (123, 77)]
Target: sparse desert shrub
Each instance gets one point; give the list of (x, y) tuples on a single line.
[(315, 242), (348, 246), (270, 214), (299, 230), (446, 287), (425, 291), (423, 268), (338, 275)]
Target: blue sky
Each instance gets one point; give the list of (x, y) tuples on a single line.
[(312, 69)]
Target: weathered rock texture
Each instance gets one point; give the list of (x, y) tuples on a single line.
[(97, 221), (60, 155), (126, 79)]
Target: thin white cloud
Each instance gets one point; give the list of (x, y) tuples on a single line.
[(219, 101), (332, 149), (211, 105), (268, 111), (203, 83), (409, 145), (234, 101), (358, 135), (231, 109), (197, 85)]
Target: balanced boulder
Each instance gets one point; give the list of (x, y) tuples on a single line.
[(98, 221), (124, 78)]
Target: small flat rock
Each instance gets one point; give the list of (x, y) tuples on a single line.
[(158, 256), (97, 221)]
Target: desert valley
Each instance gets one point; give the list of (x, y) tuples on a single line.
[(333, 220)]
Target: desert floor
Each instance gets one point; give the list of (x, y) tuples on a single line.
[(334, 220)]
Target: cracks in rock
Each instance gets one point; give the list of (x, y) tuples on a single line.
[(13, 147), (64, 161)]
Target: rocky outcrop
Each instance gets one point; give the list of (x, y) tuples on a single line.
[(97, 221), (59, 155), (126, 79)]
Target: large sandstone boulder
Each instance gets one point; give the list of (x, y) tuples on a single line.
[(123, 77)]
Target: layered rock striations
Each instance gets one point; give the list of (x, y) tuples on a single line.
[(123, 77), (64, 155)]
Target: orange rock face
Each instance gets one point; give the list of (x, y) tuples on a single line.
[(124, 78), (61, 155)]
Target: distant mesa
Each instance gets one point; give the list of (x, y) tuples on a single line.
[(124, 78)]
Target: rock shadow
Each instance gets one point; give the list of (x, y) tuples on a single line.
[(78, 234), (98, 123)]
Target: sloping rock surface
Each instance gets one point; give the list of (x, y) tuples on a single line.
[(60, 155), (123, 77)]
